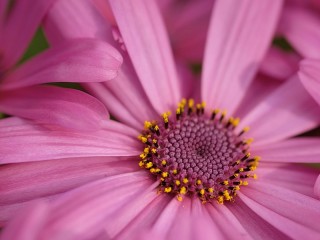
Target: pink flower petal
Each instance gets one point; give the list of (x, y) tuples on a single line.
[(149, 50), (286, 112), (22, 23), (309, 75), (258, 91), (301, 28), (292, 213), (65, 16), (317, 187), (238, 37), (68, 108), (304, 150), (290, 176), (256, 226), (187, 24), (130, 104), (53, 143), (88, 210), (225, 220), (29, 222), (280, 64), (80, 60), (25, 182)]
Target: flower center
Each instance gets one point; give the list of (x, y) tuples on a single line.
[(197, 155)]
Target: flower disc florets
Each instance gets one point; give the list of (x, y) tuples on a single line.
[(196, 154)]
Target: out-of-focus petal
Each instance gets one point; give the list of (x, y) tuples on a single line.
[(68, 108), (303, 150), (108, 204), (317, 187), (79, 60), (239, 35), (48, 142), (310, 77), (301, 28), (225, 219), (288, 111), (149, 50), (24, 182), (66, 16), (292, 213), (280, 64), (28, 224), (297, 178), (22, 23)]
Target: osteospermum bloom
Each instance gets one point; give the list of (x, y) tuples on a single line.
[(187, 174), (74, 61)]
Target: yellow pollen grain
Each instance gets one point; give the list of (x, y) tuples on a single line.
[(210, 190), (241, 169), (203, 104), (147, 124), (178, 111), (202, 191), (190, 103), (163, 162), (167, 189), (175, 171), (158, 170), (246, 129), (179, 198), (149, 165), (185, 180), (236, 188), (164, 174), (143, 156), (156, 127), (225, 182), (236, 122), (255, 176), (245, 183), (257, 158), (152, 170), (146, 150), (141, 164), (220, 200), (153, 150), (248, 141), (216, 111), (144, 139), (178, 182), (199, 182), (183, 190)]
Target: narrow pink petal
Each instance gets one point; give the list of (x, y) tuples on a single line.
[(225, 220), (286, 112), (187, 25), (239, 35), (142, 224), (293, 206), (310, 77), (125, 97), (21, 25), (68, 108), (301, 27), (261, 87), (294, 177), (52, 143), (88, 210), (317, 187), (256, 226), (79, 60), (305, 150), (149, 50), (27, 181), (28, 223), (280, 64), (66, 16), (24, 182)]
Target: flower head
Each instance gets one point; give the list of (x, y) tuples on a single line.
[(150, 173)]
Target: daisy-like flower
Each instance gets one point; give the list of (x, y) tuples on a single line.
[(78, 60), (175, 165)]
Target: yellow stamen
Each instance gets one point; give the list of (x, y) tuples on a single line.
[(167, 189), (178, 182), (185, 180), (199, 182), (164, 174), (183, 190), (202, 191)]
